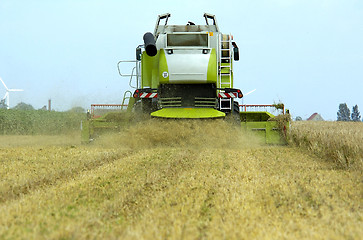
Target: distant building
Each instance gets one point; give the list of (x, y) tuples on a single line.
[(315, 117)]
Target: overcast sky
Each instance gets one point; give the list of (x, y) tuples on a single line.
[(307, 54)]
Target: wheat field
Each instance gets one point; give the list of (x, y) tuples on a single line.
[(338, 142), (174, 180)]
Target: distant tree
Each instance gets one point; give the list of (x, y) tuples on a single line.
[(77, 110), (344, 113), (23, 106), (3, 104), (355, 114), (44, 108), (298, 118)]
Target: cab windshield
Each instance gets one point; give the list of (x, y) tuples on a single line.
[(187, 40)]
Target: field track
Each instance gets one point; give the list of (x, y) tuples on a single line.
[(174, 187)]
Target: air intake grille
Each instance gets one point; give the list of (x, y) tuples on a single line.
[(170, 102), (205, 102)]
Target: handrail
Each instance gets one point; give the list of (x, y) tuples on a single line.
[(105, 106), (135, 69), (131, 76), (165, 16), (125, 61), (245, 106)]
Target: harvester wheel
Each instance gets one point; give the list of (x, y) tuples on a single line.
[(146, 105), (234, 116), (236, 107), (137, 107)]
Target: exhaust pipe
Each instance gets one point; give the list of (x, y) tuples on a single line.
[(149, 44)]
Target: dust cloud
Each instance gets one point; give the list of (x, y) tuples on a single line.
[(181, 133)]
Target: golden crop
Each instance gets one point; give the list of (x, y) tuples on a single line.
[(337, 142), (173, 180)]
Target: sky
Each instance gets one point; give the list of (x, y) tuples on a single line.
[(307, 54)]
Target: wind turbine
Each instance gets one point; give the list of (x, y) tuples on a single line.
[(244, 95), (7, 95)]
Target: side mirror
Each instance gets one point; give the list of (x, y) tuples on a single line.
[(236, 53), (138, 54)]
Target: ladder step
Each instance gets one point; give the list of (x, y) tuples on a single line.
[(225, 63)]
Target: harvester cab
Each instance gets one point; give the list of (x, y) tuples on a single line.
[(186, 71), (183, 72)]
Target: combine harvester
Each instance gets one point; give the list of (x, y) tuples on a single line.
[(184, 72)]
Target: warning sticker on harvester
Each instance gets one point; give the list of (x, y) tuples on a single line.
[(165, 74)]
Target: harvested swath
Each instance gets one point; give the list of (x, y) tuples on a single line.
[(26, 169), (69, 139), (176, 180), (177, 193)]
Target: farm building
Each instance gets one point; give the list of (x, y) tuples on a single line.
[(315, 117)]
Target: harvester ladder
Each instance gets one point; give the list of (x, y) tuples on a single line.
[(225, 69), (124, 99)]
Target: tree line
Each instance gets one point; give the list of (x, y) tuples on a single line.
[(28, 107), (344, 114)]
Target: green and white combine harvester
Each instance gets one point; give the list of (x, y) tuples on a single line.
[(184, 72)]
